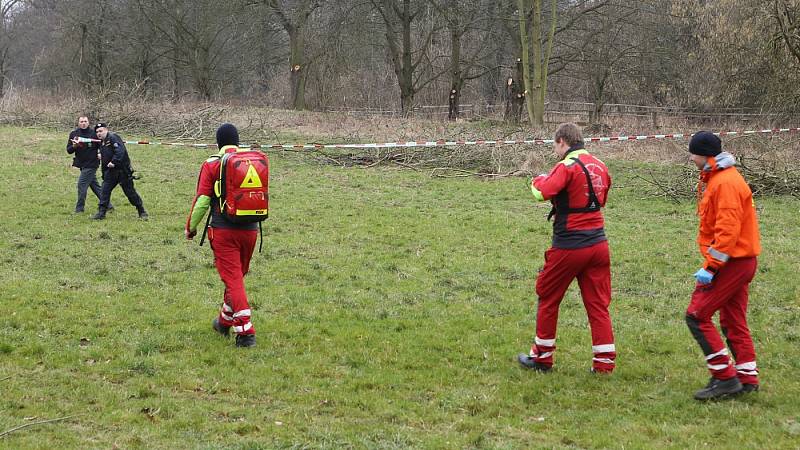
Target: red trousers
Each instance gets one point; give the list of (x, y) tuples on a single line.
[(728, 294), (592, 267), (232, 252)]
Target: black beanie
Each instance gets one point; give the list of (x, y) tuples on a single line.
[(227, 134), (705, 143)]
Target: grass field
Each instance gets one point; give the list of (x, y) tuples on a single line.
[(389, 307)]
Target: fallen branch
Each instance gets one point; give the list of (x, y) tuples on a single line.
[(407, 166), (665, 189), (7, 432), (513, 173), (458, 172), (387, 156)]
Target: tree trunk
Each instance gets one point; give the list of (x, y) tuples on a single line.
[(295, 27), (524, 46), (176, 79), (177, 49), (82, 73), (545, 64), (457, 78), (490, 82), (789, 29), (2, 74), (297, 68), (201, 71), (407, 71), (536, 88), (537, 117), (6, 39), (453, 100), (144, 69)]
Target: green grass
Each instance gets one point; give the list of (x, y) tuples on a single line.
[(389, 307)]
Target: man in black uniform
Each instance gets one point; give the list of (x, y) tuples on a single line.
[(116, 167), (83, 144)]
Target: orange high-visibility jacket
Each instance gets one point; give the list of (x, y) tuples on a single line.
[(728, 222)]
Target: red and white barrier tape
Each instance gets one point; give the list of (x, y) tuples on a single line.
[(444, 143)]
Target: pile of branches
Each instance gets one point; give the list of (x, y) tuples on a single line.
[(673, 183), (771, 167), (767, 163), (129, 108), (445, 162)]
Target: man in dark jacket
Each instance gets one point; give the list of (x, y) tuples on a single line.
[(116, 166), (83, 144)]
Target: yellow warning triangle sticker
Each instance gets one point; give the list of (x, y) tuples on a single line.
[(251, 180)]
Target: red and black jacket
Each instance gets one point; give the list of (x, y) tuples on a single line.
[(578, 188)]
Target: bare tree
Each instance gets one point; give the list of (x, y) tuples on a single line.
[(197, 39), (787, 14), (606, 40), (532, 36), (293, 16), (644, 51), (399, 19), (463, 18), (6, 37)]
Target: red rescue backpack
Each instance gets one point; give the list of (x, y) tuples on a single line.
[(243, 189), (243, 186)]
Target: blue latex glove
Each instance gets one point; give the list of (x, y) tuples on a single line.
[(703, 276)]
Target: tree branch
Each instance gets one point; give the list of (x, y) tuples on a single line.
[(7, 432)]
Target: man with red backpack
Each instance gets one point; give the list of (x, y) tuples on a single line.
[(226, 182), (578, 187)]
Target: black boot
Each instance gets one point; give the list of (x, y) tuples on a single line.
[(245, 340), (221, 329), (529, 363), (719, 389), (748, 388), (143, 214), (101, 214)]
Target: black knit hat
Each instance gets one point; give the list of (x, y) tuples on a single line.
[(100, 125), (227, 134), (705, 143)]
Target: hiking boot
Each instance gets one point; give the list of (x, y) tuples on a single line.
[(245, 340), (529, 363), (99, 216), (719, 389), (143, 215), (748, 388), (221, 329)]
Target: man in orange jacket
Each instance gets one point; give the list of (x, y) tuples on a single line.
[(729, 242)]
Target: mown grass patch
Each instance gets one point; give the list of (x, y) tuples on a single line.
[(389, 307)]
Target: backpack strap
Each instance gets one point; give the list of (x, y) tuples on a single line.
[(261, 236), (210, 159), (593, 204), (562, 199), (205, 228)]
